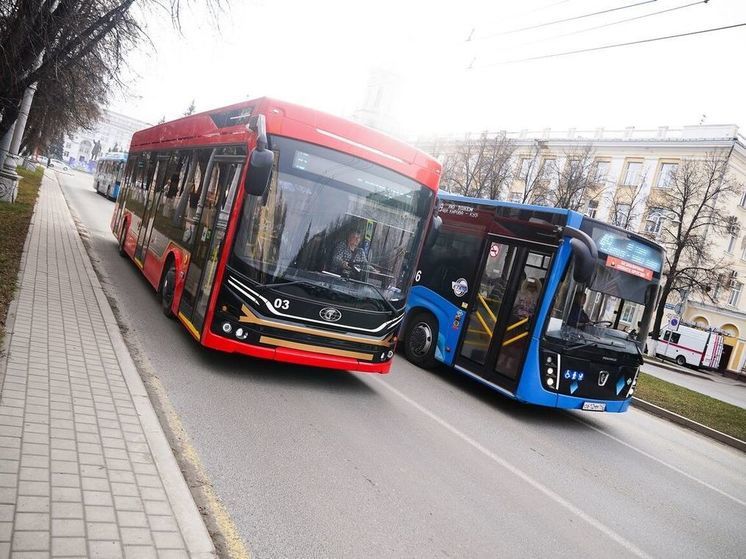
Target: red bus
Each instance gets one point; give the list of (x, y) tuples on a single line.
[(277, 231)]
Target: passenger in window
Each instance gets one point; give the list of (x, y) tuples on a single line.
[(527, 298), (173, 186)]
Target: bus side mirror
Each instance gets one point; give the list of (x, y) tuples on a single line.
[(259, 172), (261, 161), (432, 234), (586, 255)]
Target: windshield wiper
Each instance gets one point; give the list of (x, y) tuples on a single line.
[(380, 293)]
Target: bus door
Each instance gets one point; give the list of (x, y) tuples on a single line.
[(509, 287), (155, 191), (214, 209)]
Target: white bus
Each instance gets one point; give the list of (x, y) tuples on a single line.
[(108, 176), (691, 346)]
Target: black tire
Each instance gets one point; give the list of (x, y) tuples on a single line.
[(420, 340), (122, 237), (167, 289), (681, 361)]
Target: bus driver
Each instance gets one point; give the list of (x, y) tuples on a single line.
[(347, 253)]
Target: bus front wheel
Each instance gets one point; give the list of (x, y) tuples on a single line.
[(420, 340), (681, 360), (167, 290)]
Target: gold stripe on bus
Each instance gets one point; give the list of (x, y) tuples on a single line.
[(489, 311), (515, 339), (316, 349), (192, 330), (251, 318), (517, 324), (138, 262)]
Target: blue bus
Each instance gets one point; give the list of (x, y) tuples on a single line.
[(107, 178), (544, 305)]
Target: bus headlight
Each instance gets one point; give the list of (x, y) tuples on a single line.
[(549, 365), (227, 328), (241, 334)]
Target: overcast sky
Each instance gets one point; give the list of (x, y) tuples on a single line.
[(321, 53)]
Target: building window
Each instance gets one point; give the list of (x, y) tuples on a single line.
[(743, 251), (601, 172), (655, 220), (592, 208), (666, 174), (622, 214), (546, 169), (731, 244), (633, 173), (742, 203), (735, 294), (525, 168)]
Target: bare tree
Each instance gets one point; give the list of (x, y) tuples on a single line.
[(532, 172), (628, 204), (65, 101), (40, 39), (479, 167), (190, 109), (696, 203), (572, 181)]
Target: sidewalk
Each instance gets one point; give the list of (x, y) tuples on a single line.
[(85, 468)]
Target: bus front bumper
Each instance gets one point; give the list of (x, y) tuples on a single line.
[(294, 356)]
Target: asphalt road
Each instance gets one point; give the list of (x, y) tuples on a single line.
[(317, 463), (711, 383)]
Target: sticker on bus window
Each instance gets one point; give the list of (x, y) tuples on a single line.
[(494, 250), (460, 287)]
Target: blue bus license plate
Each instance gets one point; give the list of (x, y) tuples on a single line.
[(594, 406)]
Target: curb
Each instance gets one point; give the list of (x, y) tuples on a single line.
[(196, 537), (690, 424)]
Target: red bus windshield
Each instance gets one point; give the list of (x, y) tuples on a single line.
[(333, 227)]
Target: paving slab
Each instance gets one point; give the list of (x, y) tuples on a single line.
[(85, 467)]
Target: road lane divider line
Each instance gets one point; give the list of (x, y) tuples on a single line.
[(661, 462), (597, 524)]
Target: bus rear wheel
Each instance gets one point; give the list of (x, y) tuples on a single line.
[(167, 290), (420, 340)]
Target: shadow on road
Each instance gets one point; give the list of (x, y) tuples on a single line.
[(526, 413), (246, 368)]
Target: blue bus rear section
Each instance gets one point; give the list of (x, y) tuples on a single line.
[(453, 315)]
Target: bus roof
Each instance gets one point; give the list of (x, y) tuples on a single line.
[(114, 156), (228, 125)]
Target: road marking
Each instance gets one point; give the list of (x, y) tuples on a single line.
[(629, 546), (661, 462)]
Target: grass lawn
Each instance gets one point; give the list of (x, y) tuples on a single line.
[(14, 222), (724, 417)]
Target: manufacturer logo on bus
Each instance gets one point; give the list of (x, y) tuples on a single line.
[(330, 314), (603, 376)]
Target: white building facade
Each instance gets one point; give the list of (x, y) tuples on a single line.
[(112, 132)]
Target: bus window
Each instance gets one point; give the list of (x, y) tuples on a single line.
[(520, 322)]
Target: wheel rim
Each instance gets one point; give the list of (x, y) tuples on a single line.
[(420, 340)]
